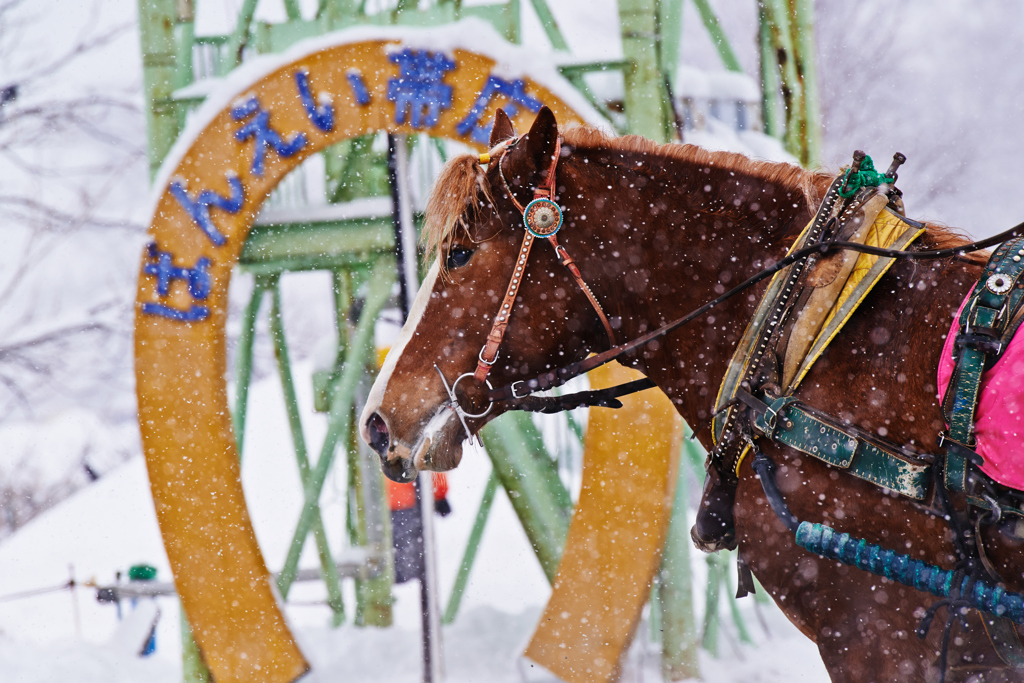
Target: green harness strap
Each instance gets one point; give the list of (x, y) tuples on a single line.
[(986, 325), (822, 436)]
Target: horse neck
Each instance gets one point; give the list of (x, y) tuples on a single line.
[(684, 232)]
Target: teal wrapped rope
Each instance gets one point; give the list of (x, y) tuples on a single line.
[(825, 541)]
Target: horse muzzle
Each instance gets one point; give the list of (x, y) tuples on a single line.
[(395, 467)]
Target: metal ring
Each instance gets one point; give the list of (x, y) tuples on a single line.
[(478, 415)]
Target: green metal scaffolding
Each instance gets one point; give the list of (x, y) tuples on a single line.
[(359, 253)]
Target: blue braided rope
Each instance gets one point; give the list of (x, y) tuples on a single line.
[(822, 540)]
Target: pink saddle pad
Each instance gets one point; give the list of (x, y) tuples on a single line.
[(999, 420)]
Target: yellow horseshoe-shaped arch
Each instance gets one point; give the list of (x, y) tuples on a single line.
[(209, 192)]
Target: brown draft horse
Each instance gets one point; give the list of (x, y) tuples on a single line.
[(658, 231)]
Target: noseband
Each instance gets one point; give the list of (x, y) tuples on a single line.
[(543, 219)]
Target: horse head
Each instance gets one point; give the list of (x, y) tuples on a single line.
[(475, 232)]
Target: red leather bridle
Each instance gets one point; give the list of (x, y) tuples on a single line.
[(542, 218)]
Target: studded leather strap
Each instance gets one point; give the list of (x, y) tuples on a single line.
[(574, 270), (489, 353)]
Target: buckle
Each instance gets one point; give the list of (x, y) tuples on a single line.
[(489, 363), (770, 415), (513, 388), (956, 448), (773, 412)]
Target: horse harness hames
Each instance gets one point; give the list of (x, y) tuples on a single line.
[(857, 233)]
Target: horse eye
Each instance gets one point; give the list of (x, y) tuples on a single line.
[(458, 257)]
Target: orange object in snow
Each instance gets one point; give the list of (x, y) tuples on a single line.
[(403, 496)]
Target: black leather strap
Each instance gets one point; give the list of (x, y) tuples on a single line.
[(603, 398)]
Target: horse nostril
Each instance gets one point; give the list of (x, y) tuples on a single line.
[(378, 432)]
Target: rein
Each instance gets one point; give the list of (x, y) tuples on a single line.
[(558, 377), (543, 218)]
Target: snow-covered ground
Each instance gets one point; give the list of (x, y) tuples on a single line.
[(110, 525)]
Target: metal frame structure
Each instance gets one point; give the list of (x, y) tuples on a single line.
[(358, 250)]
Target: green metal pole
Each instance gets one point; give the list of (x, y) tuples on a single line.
[(769, 76), (185, 37), (244, 375), (709, 640), (792, 90), (646, 99), (157, 19), (675, 591), (193, 668), (804, 56), (734, 608), (340, 418), (373, 595), (472, 546), (670, 28), (239, 37), (291, 8), (531, 480), (718, 36), (329, 570), (547, 20), (339, 13)]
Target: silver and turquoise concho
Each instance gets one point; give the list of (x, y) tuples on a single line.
[(543, 218)]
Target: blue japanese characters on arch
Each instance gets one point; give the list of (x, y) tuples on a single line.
[(198, 208), (257, 126), (419, 94), (319, 111), (160, 264), (513, 91)]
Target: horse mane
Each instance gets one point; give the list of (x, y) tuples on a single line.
[(453, 203), (462, 187), (789, 176)]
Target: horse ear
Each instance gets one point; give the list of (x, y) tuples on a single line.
[(532, 156), (502, 129)]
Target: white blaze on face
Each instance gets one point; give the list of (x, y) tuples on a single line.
[(419, 305)]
